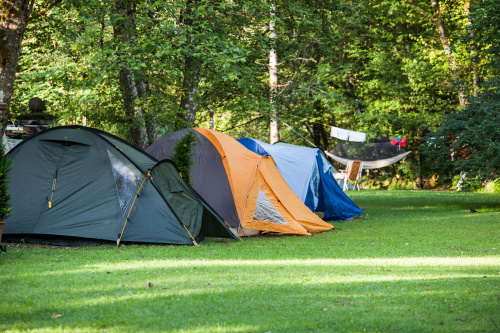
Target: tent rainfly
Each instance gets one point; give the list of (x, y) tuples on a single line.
[(309, 175), (245, 188), (74, 183)]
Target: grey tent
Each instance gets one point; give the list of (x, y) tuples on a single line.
[(80, 183)]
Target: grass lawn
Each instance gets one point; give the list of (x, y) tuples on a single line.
[(415, 261)]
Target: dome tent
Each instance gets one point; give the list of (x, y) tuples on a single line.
[(246, 189), (75, 183), (309, 175)]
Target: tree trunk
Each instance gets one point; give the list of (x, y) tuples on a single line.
[(134, 87), (473, 46), (443, 37), (317, 130), (212, 113), (192, 69), (190, 87), (350, 87), (436, 17), (14, 16), (318, 134), (151, 128), (273, 79)]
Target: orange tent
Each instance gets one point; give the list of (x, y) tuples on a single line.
[(259, 197)]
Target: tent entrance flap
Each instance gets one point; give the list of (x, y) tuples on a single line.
[(265, 211)]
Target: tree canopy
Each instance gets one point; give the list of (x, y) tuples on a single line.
[(140, 69), (469, 140)]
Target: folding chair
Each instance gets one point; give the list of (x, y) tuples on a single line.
[(352, 173)]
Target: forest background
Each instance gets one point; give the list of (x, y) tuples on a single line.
[(425, 70)]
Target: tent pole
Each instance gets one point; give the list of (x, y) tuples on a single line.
[(190, 235), (248, 191), (132, 206)]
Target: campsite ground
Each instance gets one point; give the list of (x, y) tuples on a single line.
[(415, 261)]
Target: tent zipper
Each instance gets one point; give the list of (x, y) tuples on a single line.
[(53, 189)]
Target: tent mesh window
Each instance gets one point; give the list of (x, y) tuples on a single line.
[(126, 180), (265, 211)]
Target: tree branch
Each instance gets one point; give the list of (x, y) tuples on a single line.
[(417, 7), (38, 15)]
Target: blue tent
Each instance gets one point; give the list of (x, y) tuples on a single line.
[(309, 175)]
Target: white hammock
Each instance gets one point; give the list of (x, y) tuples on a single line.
[(371, 164)]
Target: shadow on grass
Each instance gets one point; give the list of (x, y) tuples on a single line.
[(348, 296), (404, 267)]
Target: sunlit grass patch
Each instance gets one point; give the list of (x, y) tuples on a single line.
[(413, 262)]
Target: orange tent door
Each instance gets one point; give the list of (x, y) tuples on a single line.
[(296, 208), (264, 211)]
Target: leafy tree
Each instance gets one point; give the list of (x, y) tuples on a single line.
[(469, 140), (184, 153), (5, 196), (133, 82), (378, 67), (14, 18)]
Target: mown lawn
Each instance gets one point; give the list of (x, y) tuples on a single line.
[(415, 261)]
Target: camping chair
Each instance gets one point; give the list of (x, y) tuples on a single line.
[(352, 173)]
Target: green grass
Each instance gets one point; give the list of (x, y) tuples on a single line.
[(415, 261)]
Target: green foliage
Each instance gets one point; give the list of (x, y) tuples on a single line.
[(402, 187), (377, 67), (469, 140), (472, 136), (466, 184), (5, 196), (485, 20), (496, 186), (184, 153)]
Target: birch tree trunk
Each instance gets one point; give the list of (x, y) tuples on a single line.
[(134, 87), (14, 16), (192, 69), (273, 79)]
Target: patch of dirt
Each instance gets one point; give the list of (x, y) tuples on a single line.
[(38, 246)]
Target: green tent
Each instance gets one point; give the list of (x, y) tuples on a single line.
[(76, 183)]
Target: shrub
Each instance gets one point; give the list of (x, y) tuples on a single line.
[(183, 155), (5, 166)]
